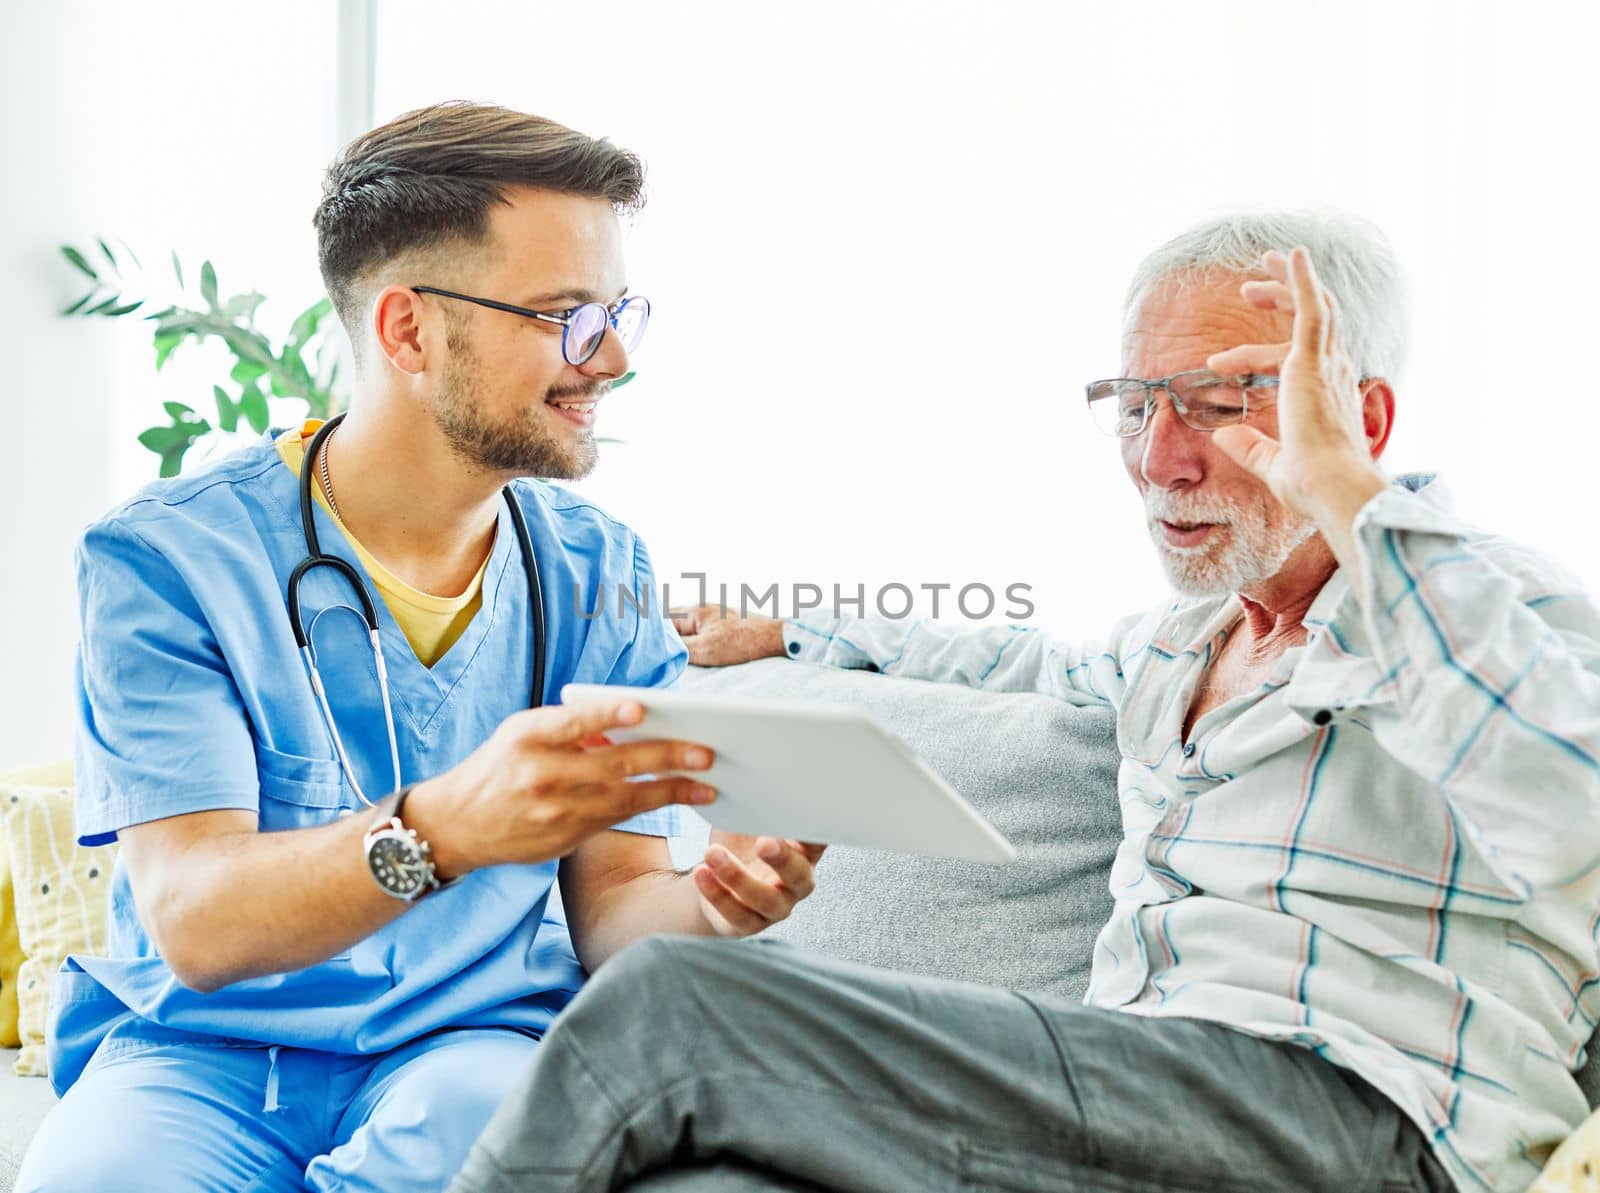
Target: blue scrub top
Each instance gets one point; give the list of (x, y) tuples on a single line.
[(193, 697)]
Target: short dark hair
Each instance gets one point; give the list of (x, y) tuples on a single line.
[(429, 178)]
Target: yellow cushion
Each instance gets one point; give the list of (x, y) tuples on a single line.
[(10, 953), (1575, 1167), (62, 893), (56, 774), (53, 774)]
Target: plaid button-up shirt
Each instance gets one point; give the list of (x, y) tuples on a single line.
[(1389, 852)]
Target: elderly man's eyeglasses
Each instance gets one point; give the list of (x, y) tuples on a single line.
[(583, 328), (1204, 400)]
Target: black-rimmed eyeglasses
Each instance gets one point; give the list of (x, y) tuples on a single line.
[(583, 328), (1204, 400)]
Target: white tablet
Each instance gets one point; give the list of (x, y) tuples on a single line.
[(812, 772)]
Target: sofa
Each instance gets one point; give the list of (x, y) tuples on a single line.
[(24, 1101), (1042, 771)]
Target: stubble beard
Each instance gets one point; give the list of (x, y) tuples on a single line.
[(521, 444), (1250, 544)]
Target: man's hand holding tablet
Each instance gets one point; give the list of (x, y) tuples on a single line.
[(798, 772), (745, 883)]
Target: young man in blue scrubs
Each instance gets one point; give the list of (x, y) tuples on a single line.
[(303, 990)]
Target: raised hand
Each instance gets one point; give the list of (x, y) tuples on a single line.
[(1324, 448)]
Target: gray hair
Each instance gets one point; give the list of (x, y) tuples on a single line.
[(1352, 257)]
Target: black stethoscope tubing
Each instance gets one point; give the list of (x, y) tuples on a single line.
[(315, 558)]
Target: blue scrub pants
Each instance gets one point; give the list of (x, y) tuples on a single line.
[(176, 1116)]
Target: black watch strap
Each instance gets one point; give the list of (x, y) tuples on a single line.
[(397, 813), (400, 803)]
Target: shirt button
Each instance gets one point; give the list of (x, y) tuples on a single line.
[(1188, 749), (1322, 716), (794, 648)]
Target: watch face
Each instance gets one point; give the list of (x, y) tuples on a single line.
[(397, 865)]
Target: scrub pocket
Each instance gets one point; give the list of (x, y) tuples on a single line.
[(298, 792), (82, 1014)]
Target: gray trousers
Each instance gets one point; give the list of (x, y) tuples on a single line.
[(733, 1066)]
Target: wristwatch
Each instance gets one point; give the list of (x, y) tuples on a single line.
[(397, 857)]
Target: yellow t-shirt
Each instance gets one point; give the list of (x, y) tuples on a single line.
[(432, 624)]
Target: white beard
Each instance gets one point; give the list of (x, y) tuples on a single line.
[(1248, 544)]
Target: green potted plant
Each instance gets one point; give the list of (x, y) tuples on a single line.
[(304, 365)]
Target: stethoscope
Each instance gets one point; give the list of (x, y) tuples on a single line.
[(369, 613)]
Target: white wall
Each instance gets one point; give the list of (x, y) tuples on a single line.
[(937, 170), (934, 169), (172, 124)]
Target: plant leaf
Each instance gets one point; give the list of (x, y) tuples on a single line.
[(165, 343), (177, 410), (208, 284), (125, 309), (102, 307), (177, 268), (293, 366), (246, 342), (305, 324), (247, 371), (159, 439), (170, 443), (78, 259), (624, 379), (242, 306), (253, 405), (132, 256), (179, 323), (78, 306), (106, 249), (227, 410)]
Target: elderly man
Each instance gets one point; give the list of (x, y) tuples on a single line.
[(1353, 944)]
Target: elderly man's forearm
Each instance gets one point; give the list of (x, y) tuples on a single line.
[(1340, 498), (1497, 686)]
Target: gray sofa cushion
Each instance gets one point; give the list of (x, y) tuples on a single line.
[(24, 1101), (1044, 772)]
